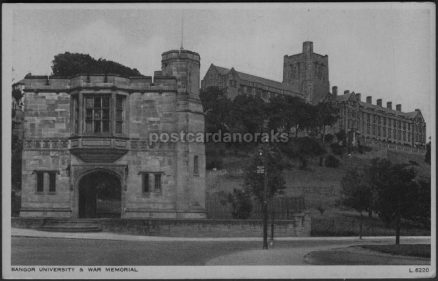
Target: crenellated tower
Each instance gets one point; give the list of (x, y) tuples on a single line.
[(190, 155), (307, 73)]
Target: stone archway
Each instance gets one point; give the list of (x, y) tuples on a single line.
[(100, 195)]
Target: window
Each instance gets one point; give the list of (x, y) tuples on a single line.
[(119, 114), (145, 182), (41, 177), (75, 114), (151, 181), (196, 165), (97, 114), (52, 182), (157, 182), (102, 114), (40, 181)]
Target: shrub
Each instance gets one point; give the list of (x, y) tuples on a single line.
[(413, 162), (337, 149), (214, 162), (241, 203), (329, 138), (331, 161)]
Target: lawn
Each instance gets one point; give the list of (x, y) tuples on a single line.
[(414, 250)]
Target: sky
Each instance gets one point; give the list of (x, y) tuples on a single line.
[(385, 51)]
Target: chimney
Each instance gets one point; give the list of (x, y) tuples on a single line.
[(389, 105), (398, 107), (308, 47), (358, 96), (346, 92), (369, 99), (379, 102), (335, 91)]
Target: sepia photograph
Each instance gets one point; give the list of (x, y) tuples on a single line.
[(219, 140)]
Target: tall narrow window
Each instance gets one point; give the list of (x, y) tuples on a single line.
[(145, 182), (97, 114), (119, 114), (196, 165), (40, 182), (157, 182), (76, 114), (52, 182)]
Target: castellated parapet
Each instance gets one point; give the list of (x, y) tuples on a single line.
[(100, 126)]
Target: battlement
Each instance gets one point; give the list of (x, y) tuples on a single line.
[(58, 83), (180, 54)]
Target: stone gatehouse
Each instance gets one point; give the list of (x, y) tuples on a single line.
[(87, 151)]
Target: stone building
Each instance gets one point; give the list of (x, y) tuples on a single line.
[(305, 75), (235, 83), (365, 121), (87, 151)]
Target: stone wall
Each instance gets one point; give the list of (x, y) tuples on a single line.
[(299, 226)]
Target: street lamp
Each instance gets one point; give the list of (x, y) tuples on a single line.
[(265, 188)]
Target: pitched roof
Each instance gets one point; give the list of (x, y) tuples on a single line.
[(343, 97), (251, 78)]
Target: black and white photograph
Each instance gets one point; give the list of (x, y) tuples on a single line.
[(218, 140)]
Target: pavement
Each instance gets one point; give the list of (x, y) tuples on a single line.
[(273, 256), (23, 232)]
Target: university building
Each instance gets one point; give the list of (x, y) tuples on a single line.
[(366, 122), (306, 75), (86, 149)]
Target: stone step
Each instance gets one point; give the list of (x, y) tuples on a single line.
[(56, 228), (71, 225)]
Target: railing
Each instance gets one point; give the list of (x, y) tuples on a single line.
[(282, 207)]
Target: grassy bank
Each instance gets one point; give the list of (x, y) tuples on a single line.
[(414, 250)]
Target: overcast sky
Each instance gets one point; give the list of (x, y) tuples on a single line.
[(383, 51)]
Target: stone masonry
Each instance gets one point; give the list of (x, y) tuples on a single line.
[(77, 126)]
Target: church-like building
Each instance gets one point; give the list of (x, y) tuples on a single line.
[(86, 146), (306, 75)]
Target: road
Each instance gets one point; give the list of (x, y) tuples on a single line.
[(67, 251)]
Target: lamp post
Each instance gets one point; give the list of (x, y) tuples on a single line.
[(265, 189)]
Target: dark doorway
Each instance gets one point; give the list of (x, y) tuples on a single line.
[(100, 196)]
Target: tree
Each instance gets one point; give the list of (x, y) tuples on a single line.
[(302, 148), (274, 166), (422, 212), (325, 114), (216, 108), (356, 194), (241, 203), (69, 64), (396, 192), (427, 156)]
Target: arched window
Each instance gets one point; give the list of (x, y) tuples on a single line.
[(196, 165)]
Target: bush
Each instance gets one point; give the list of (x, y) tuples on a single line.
[(214, 162), (329, 138), (15, 204), (241, 203), (337, 149), (331, 161), (413, 162)]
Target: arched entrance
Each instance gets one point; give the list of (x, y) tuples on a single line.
[(100, 195)]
